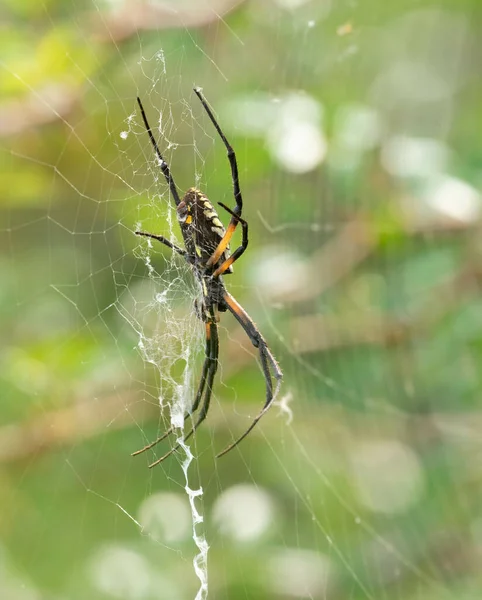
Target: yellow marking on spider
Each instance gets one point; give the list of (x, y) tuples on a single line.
[(189, 219), (217, 222), (218, 230)]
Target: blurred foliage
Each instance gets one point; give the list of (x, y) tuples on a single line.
[(375, 484)]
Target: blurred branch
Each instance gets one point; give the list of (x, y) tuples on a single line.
[(317, 333), (55, 101), (128, 19), (51, 103), (67, 426), (342, 254), (352, 245)]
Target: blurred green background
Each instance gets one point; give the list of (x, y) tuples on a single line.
[(357, 129)]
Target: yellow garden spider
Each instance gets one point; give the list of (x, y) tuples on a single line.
[(206, 249)]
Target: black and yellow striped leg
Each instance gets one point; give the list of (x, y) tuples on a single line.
[(267, 360)]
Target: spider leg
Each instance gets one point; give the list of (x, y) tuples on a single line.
[(163, 164), (266, 357), (210, 367), (231, 155), (237, 253), (223, 244), (197, 400), (163, 240), (155, 442)]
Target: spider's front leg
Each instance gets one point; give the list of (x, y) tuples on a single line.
[(189, 258), (165, 241), (230, 152), (236, 213)]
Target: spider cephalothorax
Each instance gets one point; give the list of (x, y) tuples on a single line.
[(206, 249)]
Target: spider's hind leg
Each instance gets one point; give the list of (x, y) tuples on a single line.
[(206, 385), (267, 360), (195, 404)]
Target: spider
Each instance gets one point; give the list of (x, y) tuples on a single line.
[(207, 251)]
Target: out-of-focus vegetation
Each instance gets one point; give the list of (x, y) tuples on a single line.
[(358, 134)]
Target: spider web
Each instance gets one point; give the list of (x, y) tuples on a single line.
[(362, 273)]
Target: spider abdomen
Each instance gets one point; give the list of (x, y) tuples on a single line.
[(201, 227)]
